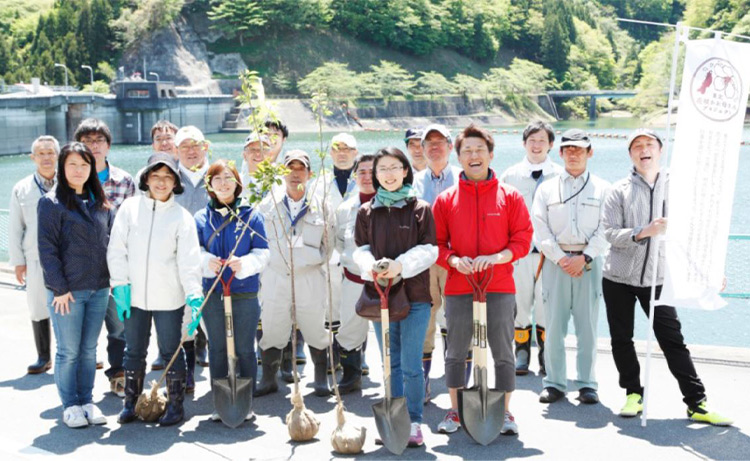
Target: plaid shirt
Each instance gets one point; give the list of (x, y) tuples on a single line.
[(118, 186)]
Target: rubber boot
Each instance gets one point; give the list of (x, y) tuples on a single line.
[(444, 337), (201, 348), (320, 361), (365, 366), (176, 392), (426, 366), (189, 348), (469, 367), (258, 337), (271, 362), (300, 357), (523, 350), (351, 362), (541, 336), (133, 389), (42, 338), (336, 347), (286, 363)]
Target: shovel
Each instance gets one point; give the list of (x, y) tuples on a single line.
[(232, 395), (481, 410), (391, 416)]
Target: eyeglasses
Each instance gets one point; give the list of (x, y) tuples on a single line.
[(392, 169), (344, 149), (364, 172), (162, 139), (440, 143), (94, 142), (194, 146), (223, 179)]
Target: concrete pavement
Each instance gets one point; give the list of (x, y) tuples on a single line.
[(31, 426)]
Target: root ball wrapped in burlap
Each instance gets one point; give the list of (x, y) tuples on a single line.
[(301, 422), (151, 405), (347, 438)]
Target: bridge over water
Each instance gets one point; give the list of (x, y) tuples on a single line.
[(592, 94)]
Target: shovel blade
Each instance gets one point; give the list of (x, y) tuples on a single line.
[(232, 399), (393, 422), (482, 413)]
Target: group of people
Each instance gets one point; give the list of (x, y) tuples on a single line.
[(550, 239)]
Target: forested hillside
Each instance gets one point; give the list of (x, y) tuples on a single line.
[(385, 48)]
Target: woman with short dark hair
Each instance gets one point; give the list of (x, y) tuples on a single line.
[(397, 227), (152, 256), (74, 223)]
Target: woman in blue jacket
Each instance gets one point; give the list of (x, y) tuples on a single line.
[(74, 223), (220, 225)]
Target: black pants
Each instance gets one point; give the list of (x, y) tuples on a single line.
[(620, 300)]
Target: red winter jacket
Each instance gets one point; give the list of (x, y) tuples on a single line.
[(481, 218)]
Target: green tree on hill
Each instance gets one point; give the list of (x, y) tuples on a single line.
[(241, 18), (332, 78)]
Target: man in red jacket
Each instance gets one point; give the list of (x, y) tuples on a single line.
[(481, 225)]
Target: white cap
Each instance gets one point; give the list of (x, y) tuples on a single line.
[(188, 132), (253, 137), (440, 129), (344, 138)]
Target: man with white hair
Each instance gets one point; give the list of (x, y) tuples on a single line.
[(22, 243)]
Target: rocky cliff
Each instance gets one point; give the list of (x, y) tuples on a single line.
[(177, 53)]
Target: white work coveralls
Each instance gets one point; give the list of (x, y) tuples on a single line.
[(566, 219)]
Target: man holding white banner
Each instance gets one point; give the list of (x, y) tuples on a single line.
[(713, 102), (635, 213)]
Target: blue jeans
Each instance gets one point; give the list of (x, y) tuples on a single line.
[(245, 316), (407, 339), (168, 335), (115, 340), (76, 334)]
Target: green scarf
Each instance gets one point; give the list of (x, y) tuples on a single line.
[(388, 198)]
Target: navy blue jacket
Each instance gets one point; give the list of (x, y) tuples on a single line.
[(73, 244), (208, 220)]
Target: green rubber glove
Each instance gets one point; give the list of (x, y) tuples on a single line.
[(195, 303), (121, 293)]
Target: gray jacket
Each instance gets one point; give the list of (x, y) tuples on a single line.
[(630, 206), (193, 198)]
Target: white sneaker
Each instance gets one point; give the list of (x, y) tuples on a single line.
[(93, 415), (215, 416), (74, 417), (250, 416), (509, 425)]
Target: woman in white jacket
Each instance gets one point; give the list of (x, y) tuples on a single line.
[(154, 257)]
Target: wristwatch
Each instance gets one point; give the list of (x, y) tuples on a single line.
[(588, 262)]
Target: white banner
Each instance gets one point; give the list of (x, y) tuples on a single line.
[(703, 171)]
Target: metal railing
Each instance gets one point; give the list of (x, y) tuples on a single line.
[(737, 269)]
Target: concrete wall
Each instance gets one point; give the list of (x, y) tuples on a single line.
[(24, 119)]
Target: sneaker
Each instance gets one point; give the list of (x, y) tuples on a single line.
[(415, 436), (509, 425), (450, 424), (215, 416), (701, 414), (117, 384), (74, 417), (93, 415), (633, 406)]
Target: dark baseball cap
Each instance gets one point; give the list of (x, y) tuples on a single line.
[(412, 133), (156, 161), (644, 132), (575, 137)]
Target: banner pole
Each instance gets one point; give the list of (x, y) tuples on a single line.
[(658, 239)]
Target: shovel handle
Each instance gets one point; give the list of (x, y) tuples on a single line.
[(227, 286), (229, 327), (385, 332), (479, 282)]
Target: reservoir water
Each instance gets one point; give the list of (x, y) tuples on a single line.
[(610, 161)]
